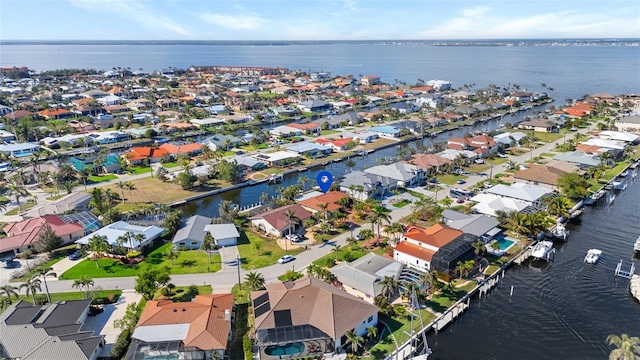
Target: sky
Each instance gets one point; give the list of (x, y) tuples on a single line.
[(317, 19)]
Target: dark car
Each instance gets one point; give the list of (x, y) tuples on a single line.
[(75, 256)]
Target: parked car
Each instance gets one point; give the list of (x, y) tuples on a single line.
[(460, 182), (460, 201), (487, 184), (504, 156), (478, 161), (75, 256), (285, 259), (293, 237)]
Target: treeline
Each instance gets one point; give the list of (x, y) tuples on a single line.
[(69, 72)]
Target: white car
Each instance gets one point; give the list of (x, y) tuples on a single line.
[(478, 161), (293, 237), (504, 156), (285, 259)]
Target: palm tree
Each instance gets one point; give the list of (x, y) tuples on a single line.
[(351, 241), (139, 238), (17, 191), (43, 273), (130, 186), (379, 215), (121, 186), (366, 234), (353, 339), (625, 347), (9, 290), (372, 332), (83, 282), (255, 280), (303, 180), (557, 205), (291, 219), (336, 249), (479, 247), (98, 244), (324, 208), (388, 287), (172, 254), (426, 282), (447, 202), (32, 286)]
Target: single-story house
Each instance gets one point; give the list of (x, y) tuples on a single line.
[(223, 234), (583, 160), (310, 149), (19, 150), (540, 175), (24, 234), (628, 123), (541, 125), (314, 106), (331, 199), (120, 228), (361, 278), (481, 226), (285, 130), (488, 204), (207, 122), (191, 233), (175, 149), (308, 309), (278, 158), (405, 174), (184, 330), (137, 154), (524, 192), (76, 201), (386, 131), (247, 163), (276, 223), (222, 141), (618, 136), (428, 161)]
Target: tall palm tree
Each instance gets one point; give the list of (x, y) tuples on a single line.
[(255, 280), (32, 286), (130, 186), (388, 287), (325, 213), (17, 191), (303, 180), (353, 339), (139, 238), (291, 219), (42, 274), (625, 347), (83, 282), (379, 215), (98, 244), (121, 186), (336, 249), (426, 282), (479, 247), (9, 290), (372, 332)]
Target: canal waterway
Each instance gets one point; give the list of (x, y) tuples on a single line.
[(250, 195), (559, 310)]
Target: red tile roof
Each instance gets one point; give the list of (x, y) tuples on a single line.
[(307, 126), (26, 232), (144, 152), (331, 198), (208, 328), (415, 250), (181, 149), (436, 235)]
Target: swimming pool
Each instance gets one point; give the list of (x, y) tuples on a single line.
[(288, 349), (504, 243)]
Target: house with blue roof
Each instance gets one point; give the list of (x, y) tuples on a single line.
[(110, 164), (386, 131)]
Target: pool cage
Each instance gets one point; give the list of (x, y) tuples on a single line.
[(460, 249), (170, 350), (292, 333)]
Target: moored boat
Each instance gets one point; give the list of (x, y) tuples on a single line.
[(560, 232), (636, 246), (592, 256), (542, 250)]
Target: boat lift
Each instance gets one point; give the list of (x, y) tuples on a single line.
[(623, 273)]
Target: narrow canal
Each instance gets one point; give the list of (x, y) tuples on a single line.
[(250, 195), (561, 310)]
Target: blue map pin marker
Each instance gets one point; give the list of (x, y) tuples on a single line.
[(324, 179)]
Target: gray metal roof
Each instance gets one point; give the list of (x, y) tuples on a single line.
[(222, 231), (474, 224), (365, 273), (192, 229)]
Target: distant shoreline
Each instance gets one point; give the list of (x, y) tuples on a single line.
[(457, 42)]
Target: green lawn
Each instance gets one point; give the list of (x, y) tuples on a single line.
[(416, 194), (345, 252), (550, 155), (170, 164), (137, 170), (496, 161), (269, 253), (49, 263), (182, 294), (100, 178), (442, 301), (189, 262), (23, 207), (449, 179), (329, 132), (400, 327), (614, 171), (271, 171), (76, 295), (402, 203)]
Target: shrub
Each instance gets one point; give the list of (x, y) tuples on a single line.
[(247, 346), (41, 299), (121, 345), (193, 290), (133, 254), (348, 257), (330, 262), (25, 254)]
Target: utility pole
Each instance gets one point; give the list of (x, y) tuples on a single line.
[(238, 262)]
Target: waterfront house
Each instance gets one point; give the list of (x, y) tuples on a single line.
[(440, 85), (276, 223), (479, 225), (430, 100), (184, 330), (531, 194), (489, 204), (286, 131), (120, 228), (191, 233), (404, 107), (51, 114), (310, 150), (370, 80), (223, 234), (361, 185), (278, 158), (313, 106), (341, 144), (202, 123), (428, 161), (404, 174), (329, 123), (307, 128), (182, 148), (386, 131), (222, 142), (361, 278), (418, 245), (24, 234), (621, 136), (452, 154), (247, 162), (541, 125), (51, 331), (6, 136), (540, 175), (331, 199), (307, 311), (581, 159), (351, 118), (522, 97), (139, 154)]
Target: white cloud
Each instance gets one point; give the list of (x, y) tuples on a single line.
[(236, 22), (135, 11), (475, 11)]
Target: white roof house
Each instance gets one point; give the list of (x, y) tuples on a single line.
[(608, 144), (452, 154), (618, 136), (519, 191), (207, 121), (120, 228), (488, 204)]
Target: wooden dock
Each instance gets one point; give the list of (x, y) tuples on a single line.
[(634, 286)]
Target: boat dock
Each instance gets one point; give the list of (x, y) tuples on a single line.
[(634, 286)]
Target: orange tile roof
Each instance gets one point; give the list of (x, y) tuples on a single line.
[(307, 126), (53, 112), (436, 235), (208, 328), (426, 161), (143, 152), (415, 250), (181, 149), (331, 199)]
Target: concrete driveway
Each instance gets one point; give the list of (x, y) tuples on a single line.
[(102, 324)]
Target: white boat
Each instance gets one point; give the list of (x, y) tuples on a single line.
[(611, 198), (592, 256), (636, 246), (560, 232), (624, 173), (618, 183), (542, 250)]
